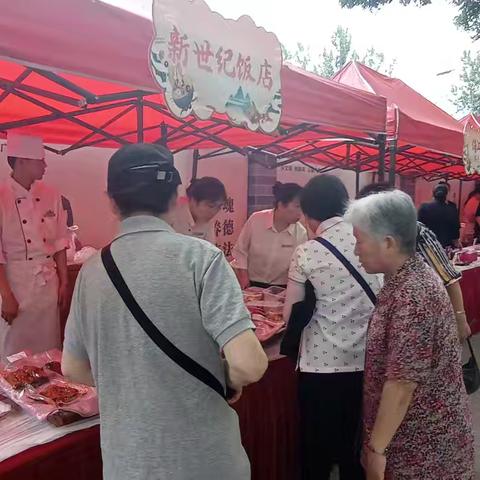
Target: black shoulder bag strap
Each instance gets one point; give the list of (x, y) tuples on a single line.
[(176, 355), (353, 271)]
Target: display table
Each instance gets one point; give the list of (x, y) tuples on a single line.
[(268, 415), (470, 284), (268, 422)]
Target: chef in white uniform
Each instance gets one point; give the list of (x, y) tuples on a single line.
[(33, 243)]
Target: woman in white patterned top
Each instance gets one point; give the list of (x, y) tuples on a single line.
[(332, 348)]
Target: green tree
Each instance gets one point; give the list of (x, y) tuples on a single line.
[(301, 56), (468, 16), (466, 96), (333, 58)]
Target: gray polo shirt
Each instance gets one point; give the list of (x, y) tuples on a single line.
[(157, 421)]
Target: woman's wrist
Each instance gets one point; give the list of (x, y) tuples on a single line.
[(378, 451)]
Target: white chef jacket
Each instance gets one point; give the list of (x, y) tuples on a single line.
[(32, 229), (264, 251), (33, 223), (184, 223)]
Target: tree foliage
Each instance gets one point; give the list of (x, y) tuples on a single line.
[(333, 58), (466, 95), (468, 17)]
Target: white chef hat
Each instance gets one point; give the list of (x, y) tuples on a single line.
[(24, 146)]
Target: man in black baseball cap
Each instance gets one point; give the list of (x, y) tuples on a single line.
[(182, 335), (143, 179)]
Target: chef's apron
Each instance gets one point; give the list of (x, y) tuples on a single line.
[(37, 326)]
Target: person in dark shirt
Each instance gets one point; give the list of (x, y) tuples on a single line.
[(441, 218), (451, 204)]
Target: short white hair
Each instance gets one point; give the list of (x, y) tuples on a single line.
[(386, 214)]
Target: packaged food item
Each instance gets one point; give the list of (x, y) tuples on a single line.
[(271, 310), (5, 409), (253, 294), (59, 394), (274, 294), (264, 329), (24, 376), (60, 418), (54, 367), (34, 383)]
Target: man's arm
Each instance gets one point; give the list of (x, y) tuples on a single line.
[(228, 322), (75, 359), (246, 360), (77, 370)]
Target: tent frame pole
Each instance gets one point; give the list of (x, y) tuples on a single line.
[(357, 172), (391, 172), (139, 107), (382, 141), (196, 158)]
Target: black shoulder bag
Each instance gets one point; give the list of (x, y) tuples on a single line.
[(471, 373), (168, 348), (302, 312)]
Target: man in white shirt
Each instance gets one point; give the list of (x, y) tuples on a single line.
[(33, 243), (332, 347), (194, 213)]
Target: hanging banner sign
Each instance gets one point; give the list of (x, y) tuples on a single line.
[(471, 146), (205, 64)]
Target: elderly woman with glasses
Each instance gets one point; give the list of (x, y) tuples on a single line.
[(417, 423)]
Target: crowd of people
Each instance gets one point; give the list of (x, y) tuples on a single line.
[(158, 322)]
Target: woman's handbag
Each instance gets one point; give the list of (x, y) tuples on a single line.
[(300, 317), (471, 373)]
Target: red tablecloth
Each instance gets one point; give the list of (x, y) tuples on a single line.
[(74, 457), (268, 421), (470, 283)]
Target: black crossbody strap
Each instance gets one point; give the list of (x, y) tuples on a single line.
[(353, 271), (176, 355), (471, 350)]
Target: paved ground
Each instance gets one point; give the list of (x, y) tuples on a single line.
[(475, 405)]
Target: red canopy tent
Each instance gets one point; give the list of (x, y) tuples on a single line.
[(466, 118), (426, 140), (76, 72)]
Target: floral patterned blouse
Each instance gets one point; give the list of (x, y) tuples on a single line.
[(412, 336)]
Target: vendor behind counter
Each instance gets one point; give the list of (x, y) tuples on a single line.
[(268, 239)]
